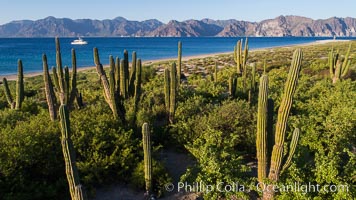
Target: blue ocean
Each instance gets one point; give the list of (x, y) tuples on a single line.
[(30, 50)]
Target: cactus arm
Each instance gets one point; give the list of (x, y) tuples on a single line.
[(49, 90), (283, 114), (166, 88), (137, 83), (293, 146), (331, 63), (74, 90), (173, 88), (60, 73), (19, 86), (245, 54), (112, 94), (132, 74), (238, 57), (179, 63), (66, 85), (346, 69), (112, 64), (8, 94), (337, 74), (103, 78), (69, 155), (146, 140), (261, 135), (55, 77), (122, 80), (346, 64), (231, 82), (253, 77), (126, 70), (117, 75)]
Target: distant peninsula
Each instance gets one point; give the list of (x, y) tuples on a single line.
[(121, 27)]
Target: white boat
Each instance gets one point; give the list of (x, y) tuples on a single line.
[(79, 41)]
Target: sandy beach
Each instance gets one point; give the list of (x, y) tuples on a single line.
[(184, 58)]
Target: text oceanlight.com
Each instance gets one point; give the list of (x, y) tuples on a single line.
[(236, 187)]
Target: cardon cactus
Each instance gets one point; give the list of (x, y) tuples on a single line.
[(138, 81), (110, 94), (75, 187), (172, 93), (123, 80), (233, 85), (146, 140), (74, 95), (20, 89), (132, 74), (339, 68), (179, 63), (261, 135), (121, 84), (253, 77), (8, 95), (66, 86), (283, 113), (50, 96), (167, 86), (240, 59)]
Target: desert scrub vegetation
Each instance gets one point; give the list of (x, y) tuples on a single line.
[(209, 118)]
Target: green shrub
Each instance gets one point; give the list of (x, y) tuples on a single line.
[(31, 160)]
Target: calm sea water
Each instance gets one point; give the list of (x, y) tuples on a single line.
[(30, 50)]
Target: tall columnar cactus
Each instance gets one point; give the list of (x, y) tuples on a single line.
[(123, 80), (253, 77), (116, 88), (69, 156), (261, 136), (66, 87), (126, 70), (283, 113), (179, 63), (339, 68), (233, 81), (172, 93), (132, 74), (60, 74), (73, 95), (237, 56), (293, 146), (50, 96), (117, 74), (8, 95), (240, 59), (167, 87), (244, 80), (20, 89), (138, 81), (146, 140), (109, 88)]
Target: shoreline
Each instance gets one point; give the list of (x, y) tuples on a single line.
[(12, 77)]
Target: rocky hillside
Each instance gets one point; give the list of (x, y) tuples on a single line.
[(279, 26)]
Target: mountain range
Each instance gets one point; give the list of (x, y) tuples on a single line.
[(121, 27)]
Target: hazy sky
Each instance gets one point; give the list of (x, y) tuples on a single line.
[(165, 10)]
